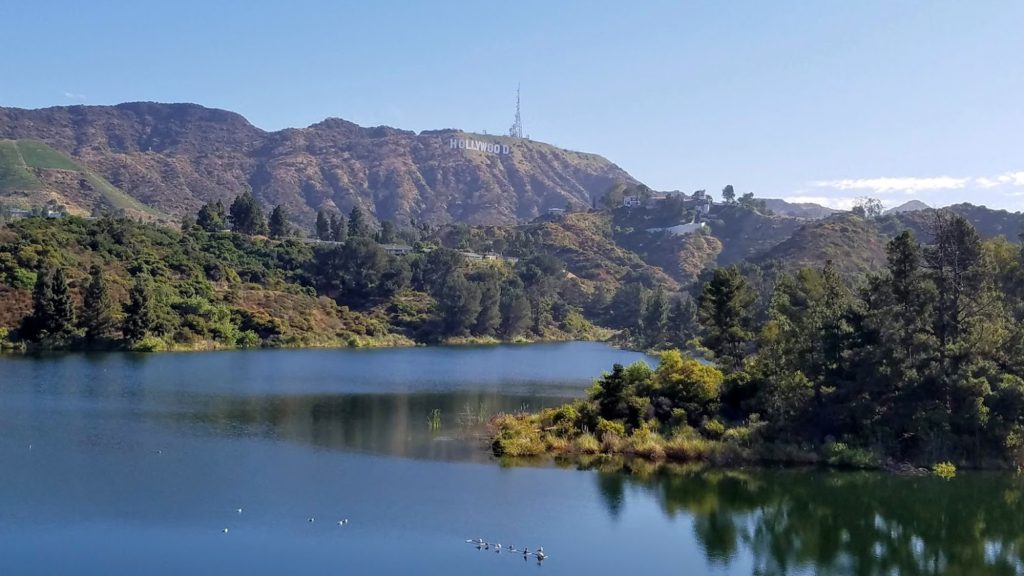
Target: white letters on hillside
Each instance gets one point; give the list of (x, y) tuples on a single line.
[(489, 147)]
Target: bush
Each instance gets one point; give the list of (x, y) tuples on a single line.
[(645, 443), (690, 446), (150, 344), (944, 470), (586, 444), (841, 455), (713, 428), (517, 436), (610, 427)]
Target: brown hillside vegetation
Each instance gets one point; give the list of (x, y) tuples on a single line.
[(175, 157)]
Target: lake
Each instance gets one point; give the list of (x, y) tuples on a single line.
[(122, 464)]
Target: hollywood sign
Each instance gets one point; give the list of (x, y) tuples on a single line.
[(489, 147)]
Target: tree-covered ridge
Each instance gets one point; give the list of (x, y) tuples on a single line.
[(922, 362), (115, 283)]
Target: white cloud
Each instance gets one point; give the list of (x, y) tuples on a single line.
[(906, 185), (74, 96), (837, 202), (1012, 178), (986, 182)]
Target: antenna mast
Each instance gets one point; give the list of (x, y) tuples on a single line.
[(516, 131)]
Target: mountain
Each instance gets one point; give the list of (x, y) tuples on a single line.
[(33, 174), (175, 157), (911, 206), (805, 210)]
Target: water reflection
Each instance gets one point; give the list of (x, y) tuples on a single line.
[(800, 521), (437, 426)]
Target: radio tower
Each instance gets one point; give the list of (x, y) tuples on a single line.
[(516, 131)]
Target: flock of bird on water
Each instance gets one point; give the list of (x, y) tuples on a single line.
[(311, 519), (482, 544)]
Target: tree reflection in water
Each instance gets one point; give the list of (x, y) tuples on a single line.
[(824, 522)]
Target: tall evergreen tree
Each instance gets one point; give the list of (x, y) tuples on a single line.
[(357, 225), (37, 326), (211, 217), (654, 318), (97, 308), (247, 215), (62, 323), (339, 230), (323, 226), (278, 223), (139, 316), (725, 314)]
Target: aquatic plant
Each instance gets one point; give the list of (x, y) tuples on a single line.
[(434, 420), (944, 470)]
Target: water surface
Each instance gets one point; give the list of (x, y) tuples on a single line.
[(125, 464)]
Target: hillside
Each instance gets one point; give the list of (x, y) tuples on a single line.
[(805, 210), (910, 206), (855, 245), (32, 174), (176, 157)]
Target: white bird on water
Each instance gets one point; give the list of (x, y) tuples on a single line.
[(540, 553), (224, 531), (239, 510), (311, 519)]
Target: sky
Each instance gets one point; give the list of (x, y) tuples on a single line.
[(822, 101)]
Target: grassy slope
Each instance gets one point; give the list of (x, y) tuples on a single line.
[(19, 158), (14, 174)]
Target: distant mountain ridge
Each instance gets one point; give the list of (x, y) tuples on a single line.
[(175, 157)]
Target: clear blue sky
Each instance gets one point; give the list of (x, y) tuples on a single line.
[(823, 99)]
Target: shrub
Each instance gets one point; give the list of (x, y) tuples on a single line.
[(517, 436), (713, 428), (586, 444), (610, 427), (944, 470), (839, 454), (150, 344), (645, 443), (689, 447)]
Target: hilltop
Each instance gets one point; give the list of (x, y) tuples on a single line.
[(176, 157)]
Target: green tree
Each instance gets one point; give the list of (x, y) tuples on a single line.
[(323, 226), (724, 310), (139, 315), (458, 305), (279, 223), (339, 229), (97, 308), (387, 233), (654, 318), (357, 225), (212, 217), (729, 194), (247, 215)]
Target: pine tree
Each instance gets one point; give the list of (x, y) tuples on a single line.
[(211, 217), (36, 326), (357, 226), (138, 313), (278, 223), (339, 231), (247, 216), (62, 323), (725, 314), (654, 318), (323, 226), (729, 194), (97, 308)]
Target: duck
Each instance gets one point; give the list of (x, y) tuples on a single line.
[(311, 519), (526, 551), (511, 548), (239, 510), (540, 553), (224, 531)]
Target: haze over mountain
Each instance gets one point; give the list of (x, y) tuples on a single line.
[(175, 157)]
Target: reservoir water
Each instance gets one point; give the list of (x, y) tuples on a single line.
[(122, 464)]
